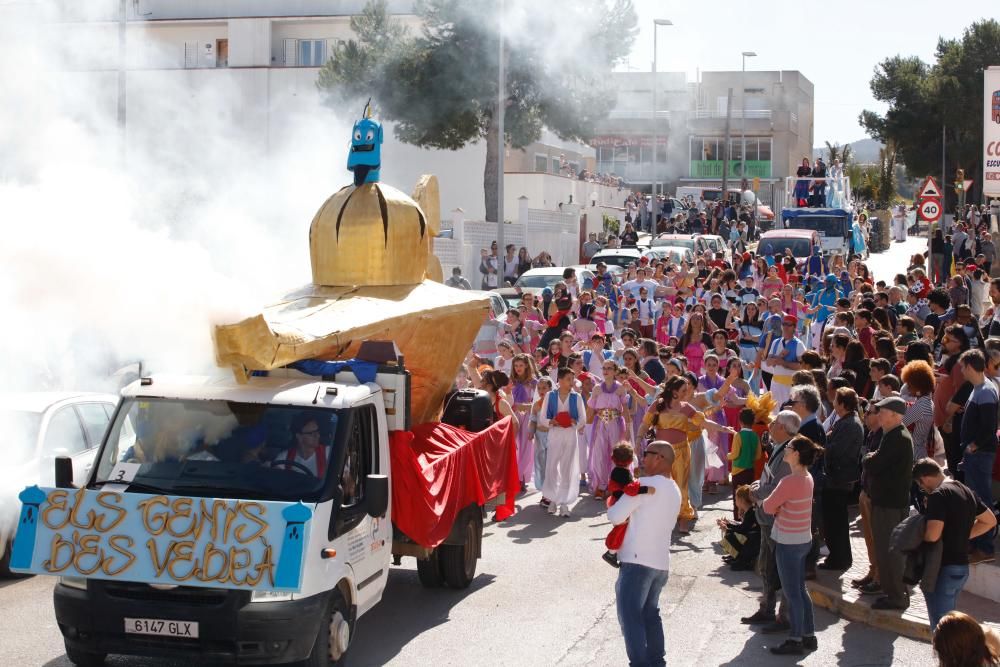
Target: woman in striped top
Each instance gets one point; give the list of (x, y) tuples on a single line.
[(791, 503)]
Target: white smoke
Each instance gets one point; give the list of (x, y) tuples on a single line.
[(112, 256)]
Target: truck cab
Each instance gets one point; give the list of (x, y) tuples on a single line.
[(834, 226), (203, 439)]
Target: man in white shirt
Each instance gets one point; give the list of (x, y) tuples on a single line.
[(633, 287), (645, 555), (309, 453)]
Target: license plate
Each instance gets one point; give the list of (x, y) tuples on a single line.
[(161, 628)]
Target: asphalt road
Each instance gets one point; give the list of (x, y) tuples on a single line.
[(542, 596)]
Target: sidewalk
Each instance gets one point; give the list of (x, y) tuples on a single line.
[(833, 591)]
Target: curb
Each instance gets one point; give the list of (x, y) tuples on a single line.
[(833, 600)]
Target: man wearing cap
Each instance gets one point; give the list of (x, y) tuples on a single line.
[(823, 303), (889, 474), (782, 359)]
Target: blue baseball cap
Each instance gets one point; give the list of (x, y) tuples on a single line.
[(830, 278)]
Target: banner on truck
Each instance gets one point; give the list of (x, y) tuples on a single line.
[(159, 539), (991, 131)]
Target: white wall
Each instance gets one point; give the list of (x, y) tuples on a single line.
[(249, 43)]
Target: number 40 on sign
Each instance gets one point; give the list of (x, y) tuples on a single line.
[(930, 210)]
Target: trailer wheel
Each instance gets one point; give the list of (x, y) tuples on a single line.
[(458, 562), (429, 570), (85, 659)]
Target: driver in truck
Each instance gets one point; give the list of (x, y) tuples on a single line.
[(308, 454)]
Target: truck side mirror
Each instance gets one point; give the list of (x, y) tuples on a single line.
[(377, 495), (64, 472)]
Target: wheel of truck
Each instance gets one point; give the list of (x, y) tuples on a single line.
[(5, 572), (334, 636), (429, 570), (84, 658), (458, 561)]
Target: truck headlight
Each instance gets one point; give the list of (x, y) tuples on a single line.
[(270, 596), (74, 582)]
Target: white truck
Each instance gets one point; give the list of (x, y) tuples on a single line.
[(246, 523)]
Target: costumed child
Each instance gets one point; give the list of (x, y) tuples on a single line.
[(741, 540), (540, 435), (564, 414), (621, 483), (744, 454)]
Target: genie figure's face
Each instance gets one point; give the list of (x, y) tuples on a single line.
[(365, 141)]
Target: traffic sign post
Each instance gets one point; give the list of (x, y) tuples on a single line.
[(929, 189), (930, 210)]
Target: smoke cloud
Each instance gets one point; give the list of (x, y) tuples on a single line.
[(115, 252)]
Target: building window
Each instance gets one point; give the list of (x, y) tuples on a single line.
[(312, 52), (541, 163), (764, 150)]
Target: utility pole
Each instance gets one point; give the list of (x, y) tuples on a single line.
[(653, 177), (743, 121), (122, 18), (944, 191), (725, 148), (501, 109)]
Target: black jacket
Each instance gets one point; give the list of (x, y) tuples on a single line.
[(889, 470), (840, 463)]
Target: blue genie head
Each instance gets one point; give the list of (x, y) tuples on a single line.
[(365, 157)]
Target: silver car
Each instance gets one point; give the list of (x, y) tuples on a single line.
[(38, 427)]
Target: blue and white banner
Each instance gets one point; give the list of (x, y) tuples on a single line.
[(211, 542)]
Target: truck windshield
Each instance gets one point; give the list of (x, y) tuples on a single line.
[(826, 225), (222, 449)]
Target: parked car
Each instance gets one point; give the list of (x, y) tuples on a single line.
[(38, 427), (679, 241), (673, 254), (715, 243), (617, 256), (535, 280), (485, 344)]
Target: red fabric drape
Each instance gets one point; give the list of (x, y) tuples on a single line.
[(437, 470)]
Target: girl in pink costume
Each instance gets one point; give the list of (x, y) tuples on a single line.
[(607, 407), (524, 380)]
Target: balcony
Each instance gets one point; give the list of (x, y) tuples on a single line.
[(638, 115), (751, 114)]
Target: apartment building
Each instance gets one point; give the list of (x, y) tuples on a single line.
[(690, 126), (262, 57)]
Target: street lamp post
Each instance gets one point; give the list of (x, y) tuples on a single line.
[(743, 121), (656, 24)]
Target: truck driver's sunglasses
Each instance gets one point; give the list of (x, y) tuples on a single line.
[(309, 434)]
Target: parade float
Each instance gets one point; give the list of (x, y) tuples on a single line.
[(253, 518)]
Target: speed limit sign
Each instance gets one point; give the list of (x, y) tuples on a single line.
[(930, 210)]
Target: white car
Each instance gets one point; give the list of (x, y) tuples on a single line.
[(716, 244), (672, 254), (622, 257), (485, 344), (535, 280), (38, 427)]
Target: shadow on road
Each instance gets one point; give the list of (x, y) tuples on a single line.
[(407, 609), (4, 583)]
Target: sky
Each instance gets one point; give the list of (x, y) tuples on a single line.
[(836, 46)]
